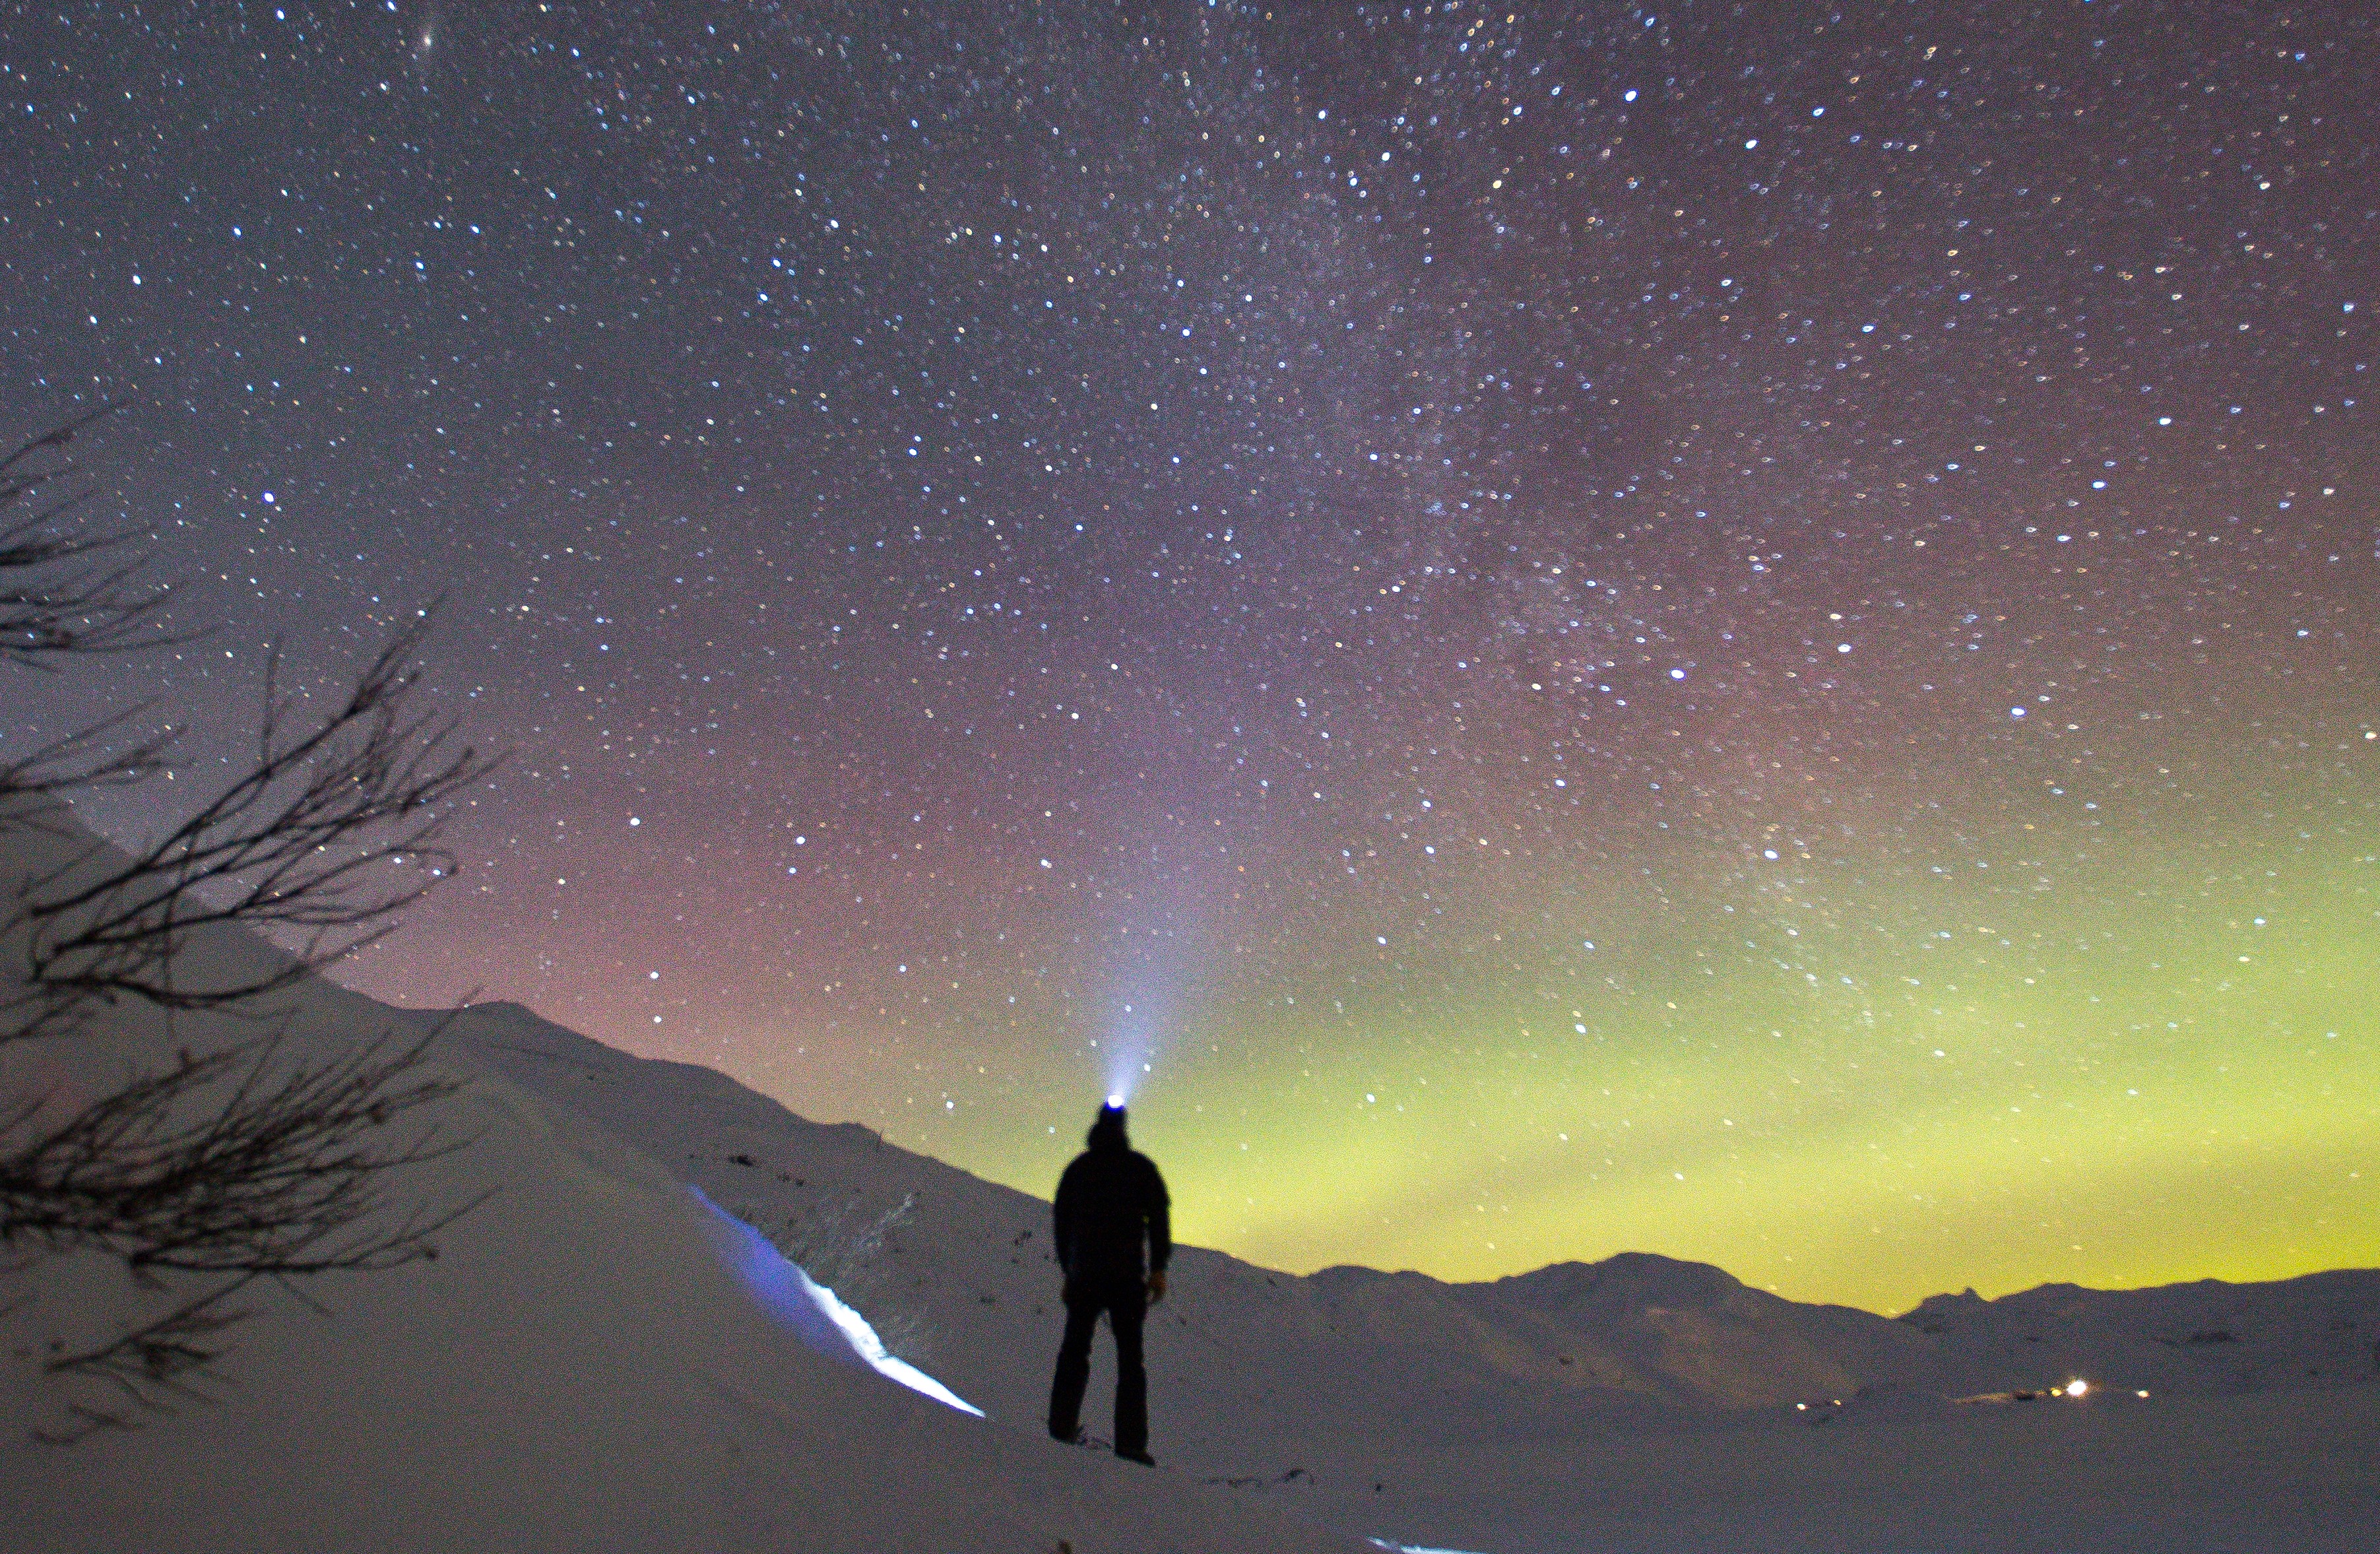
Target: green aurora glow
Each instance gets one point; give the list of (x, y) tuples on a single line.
[(2164, 1066)]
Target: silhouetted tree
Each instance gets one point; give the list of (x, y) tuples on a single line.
[(242, 1161), (65, 592)]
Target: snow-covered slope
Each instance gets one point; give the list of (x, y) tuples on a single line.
[(586, 1365), (2208, 1337), (968, 1273), (597, 1359), (1254, 1374), (1637, 1402)]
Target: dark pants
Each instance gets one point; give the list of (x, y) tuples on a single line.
[(1125, 1305)]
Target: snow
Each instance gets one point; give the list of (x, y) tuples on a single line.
[(814, 1311), (580, 1368), (612, 1352), (1641, 1403)]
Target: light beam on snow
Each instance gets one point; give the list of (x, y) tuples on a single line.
[(811, 1310)]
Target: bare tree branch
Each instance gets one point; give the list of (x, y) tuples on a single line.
[(62, 592), (224, 1168), (153, 1365), (307, 839), (231, 1161), (221, 1167), (73, 763)]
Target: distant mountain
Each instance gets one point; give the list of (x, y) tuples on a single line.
[(2319, 1331), (1634, 1337), (596, 1361), (1637, 1404)]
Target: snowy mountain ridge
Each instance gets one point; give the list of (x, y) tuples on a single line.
[(1639, 1402), (1602, 1339), (587, 1364), (596, 1360)]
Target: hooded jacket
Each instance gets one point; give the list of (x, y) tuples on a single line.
[(1110, 1200)]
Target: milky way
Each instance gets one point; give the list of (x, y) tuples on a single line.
[(1740, 630)]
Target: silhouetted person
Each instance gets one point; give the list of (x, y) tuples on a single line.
[(1110, 1201)]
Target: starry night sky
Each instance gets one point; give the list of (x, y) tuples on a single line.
[(1741, 630)]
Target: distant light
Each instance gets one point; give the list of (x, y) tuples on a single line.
[(2078, 1387), (2143, 1392)]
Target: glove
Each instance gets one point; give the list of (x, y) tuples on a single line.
[(1156, 1286)]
